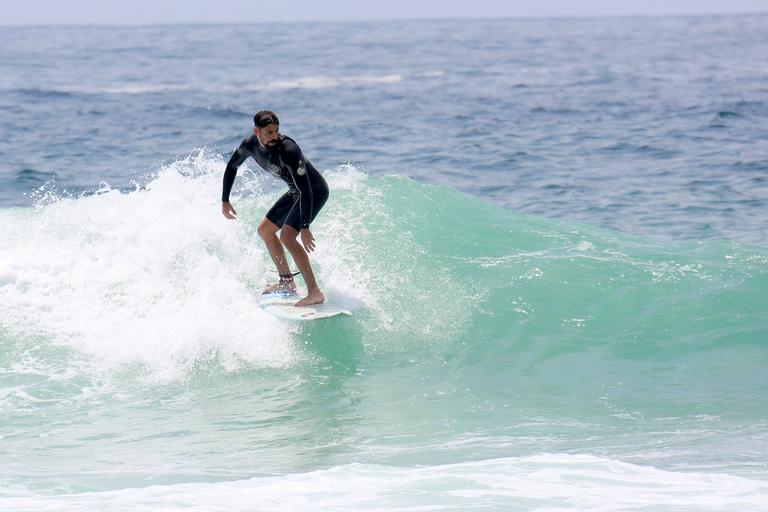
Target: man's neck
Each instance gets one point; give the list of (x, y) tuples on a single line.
[(265, 148)]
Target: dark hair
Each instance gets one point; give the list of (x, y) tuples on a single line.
[(264, 118)]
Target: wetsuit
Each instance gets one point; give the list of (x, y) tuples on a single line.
[(307, 190)]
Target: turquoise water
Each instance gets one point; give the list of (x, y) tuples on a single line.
[(551, 234), (489, 352)]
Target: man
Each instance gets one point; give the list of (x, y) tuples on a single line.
[(293, 212)]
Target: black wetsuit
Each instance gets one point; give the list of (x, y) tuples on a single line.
[(307, 190)]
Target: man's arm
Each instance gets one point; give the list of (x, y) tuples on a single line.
[(296, 165), (237, 158)]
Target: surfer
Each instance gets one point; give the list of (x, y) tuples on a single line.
[(293, 212)]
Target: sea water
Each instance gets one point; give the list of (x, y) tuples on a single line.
[(551, 233)]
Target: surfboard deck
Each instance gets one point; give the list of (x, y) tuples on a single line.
[(282, 306)]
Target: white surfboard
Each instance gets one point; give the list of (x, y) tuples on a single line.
[(282, 306)]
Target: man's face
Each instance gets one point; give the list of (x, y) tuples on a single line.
[(268, 136)]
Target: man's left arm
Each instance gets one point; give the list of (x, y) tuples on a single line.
[(293, 156)]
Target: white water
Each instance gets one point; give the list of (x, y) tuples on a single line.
[(547, 482)]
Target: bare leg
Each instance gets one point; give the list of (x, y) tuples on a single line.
[(288, 238), (268, 233)]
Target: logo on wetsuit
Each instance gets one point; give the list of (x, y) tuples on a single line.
[(301, 171)]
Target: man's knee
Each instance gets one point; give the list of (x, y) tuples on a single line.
[(267, 229)]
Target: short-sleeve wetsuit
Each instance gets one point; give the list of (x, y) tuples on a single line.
[(307, 189)]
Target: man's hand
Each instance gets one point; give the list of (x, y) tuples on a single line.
[(307, 240), (228, 211)]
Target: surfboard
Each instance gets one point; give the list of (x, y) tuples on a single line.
[(282, 306)]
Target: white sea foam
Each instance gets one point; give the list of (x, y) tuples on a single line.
[(322, 82), (146, 88), (305, 82), (552, 482), (155, 276)]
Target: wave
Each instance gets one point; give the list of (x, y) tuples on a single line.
[(551, 481), (156, 276), (322, 82), (308, 82)]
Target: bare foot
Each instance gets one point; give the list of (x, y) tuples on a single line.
[(280, 287), (313, 297)]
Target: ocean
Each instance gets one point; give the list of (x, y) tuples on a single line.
[(552, 234)]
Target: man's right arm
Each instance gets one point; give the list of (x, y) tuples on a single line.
[(237, 158)]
